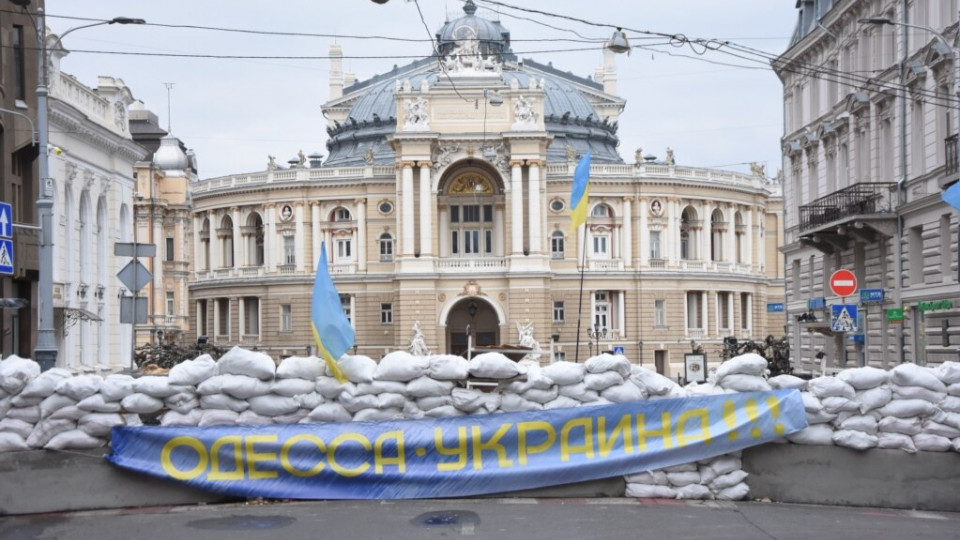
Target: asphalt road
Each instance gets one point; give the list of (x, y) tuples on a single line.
[(527, 519)]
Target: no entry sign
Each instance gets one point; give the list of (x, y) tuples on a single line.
[(843, 283)]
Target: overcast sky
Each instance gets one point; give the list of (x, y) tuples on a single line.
[(234, 112)]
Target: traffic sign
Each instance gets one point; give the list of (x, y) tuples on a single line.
[(133, 309), (843, 317), (871, 296), (618, 349), (134, 249), (843, 283), (6, 220), (134, 276), (6, 256), (775, 307)]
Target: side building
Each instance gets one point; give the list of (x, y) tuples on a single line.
[(869, 146), (444, 205)]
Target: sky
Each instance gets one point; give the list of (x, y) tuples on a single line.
[(236, 112)]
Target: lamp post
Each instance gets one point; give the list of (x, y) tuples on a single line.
[(46, 352)]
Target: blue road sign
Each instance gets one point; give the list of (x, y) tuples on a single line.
[(858, 338), (6, 256), (817, 303), (774, 307), (618, 349), (869, 296), (6, 220), (843, 317)]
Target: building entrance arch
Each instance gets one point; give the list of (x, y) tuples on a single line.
[(472, 316)]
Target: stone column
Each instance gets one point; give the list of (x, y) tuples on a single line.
[(241, 319), (361, 245), (706, 232), (730, 254), (672, 248), (516, 208), (443, 242), (270, 237), (299, 247), (201, 263), (426, 214), (535, 204), (407, 205), (498, 212), (238, 250), (627, 232), (216, 244), (316, 234)]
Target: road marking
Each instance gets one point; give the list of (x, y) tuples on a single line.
[(923, 515)]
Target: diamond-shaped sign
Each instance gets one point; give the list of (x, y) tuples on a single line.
[(134, 276)]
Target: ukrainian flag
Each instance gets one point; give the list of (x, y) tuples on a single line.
[(331, 329), (580, 194), (952, 195)]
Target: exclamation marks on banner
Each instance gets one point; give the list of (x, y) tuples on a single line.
[(730, 418), (751, 409), (774, 405)]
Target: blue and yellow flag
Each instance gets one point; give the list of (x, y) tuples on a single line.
[(580, 195), (952, 195), (331, 328)]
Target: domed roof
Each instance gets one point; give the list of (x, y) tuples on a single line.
[(492, 37), (169, 157)]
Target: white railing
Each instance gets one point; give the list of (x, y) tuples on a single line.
[(659, 264), (223, 272), (287, 268), (605, 265), (249, 271), (692, 265), (482, 264), (343, 268), (695, 333), (660, 170)]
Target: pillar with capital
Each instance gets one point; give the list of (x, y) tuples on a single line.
[(426, 214), (535, 204), (407, 210), (627, 233), (516, 207), (316, 234), (270, 237), (298, 244), (362, 234)]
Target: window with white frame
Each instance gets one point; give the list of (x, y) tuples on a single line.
[(556, 245), (694, 313), (342, 214), (386, 247), (202, 323), (171, 309), (601, 244), (286, 318), (746, 312), (386, 313), (251, 316), (344, 249), (559, 311), (655, 245), (346, 302), (723, 310), (471, 230), (660, 313), (222, 320), (601, 310), (289, 250)]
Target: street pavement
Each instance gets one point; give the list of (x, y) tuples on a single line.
[(527, 519)]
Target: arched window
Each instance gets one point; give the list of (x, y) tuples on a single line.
[(254, 237), (688, 236), (557, 245), (718, 228), (386, 247), (741, 230), (205, 245), (601, 231), (601, 210), (470, 217), (226, 242), (342, 250)]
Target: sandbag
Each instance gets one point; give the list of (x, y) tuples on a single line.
[(223, 402), (651, 382), (97, 403), (906, 426), (734, 493), (79, 387), (426, 387), (469, 400), (182, 401), (309, 401), (605, 363), (16, 372), (47, 429), (564, 373), (193, 372), (745, 364), (648, 477), (12, 442), (864, 378), (917, 392), (117, 386), (928, 442), (357, 368), (54, 403), (448, 367), (624, 393), (948, 372), (217, 417), (380, 387), (432, 402), (857, 440), (541, 396), (389, 400), (680, 479), (726, 464), (561, 402), (914, 375), (329, 387), (649, 491), (823, 387), (273, 405), (727, 480), (44, 384), (866, 424), (291, 387), (602, 381), (74, 439), (744, 383), (447, 411), (905, 408), (378, 415), (693, 492), (787, 381), (896, 441), (174, 418), (493, 366), (244, 386), (300, 367), (412, 411), (932, 427), (239, 361), (213, 385), (155, 386), (330, 412), (874, 398), (141, 403), (250, 418), (99, 424), (356, 404), (815, 434), (579, 392), (401, 366), (949, 404), (836, 404), (515, 403), (12, 425)]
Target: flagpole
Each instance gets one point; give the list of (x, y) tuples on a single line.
[(583, 265)]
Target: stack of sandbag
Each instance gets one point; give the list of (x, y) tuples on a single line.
[(241, 376), (914, 409), (183, 408), (20, 414), (744, 373), (721, 478), (949, 375), (653, 385)]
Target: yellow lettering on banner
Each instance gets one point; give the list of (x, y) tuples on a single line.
[(523, 449), (253, 457), (379, 460), (586, 448), (170, 468), (285, 455), (663, 433), (492, 444), (683, 438), (235, 441), (332, 454), (460, 450), (622, 429)]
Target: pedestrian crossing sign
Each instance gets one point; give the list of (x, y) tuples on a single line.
[(6, 256), (843, 317)]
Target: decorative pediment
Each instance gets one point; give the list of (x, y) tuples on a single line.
[(914, 73), (827, 129), (792, 148), (856, 101), (936, 54), (810, 141)]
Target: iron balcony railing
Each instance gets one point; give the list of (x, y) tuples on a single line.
[(952, 165), (858, 199)]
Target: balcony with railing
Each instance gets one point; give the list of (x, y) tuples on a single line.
[(950, 151), (466, 265), (605, 265), (859, 212)]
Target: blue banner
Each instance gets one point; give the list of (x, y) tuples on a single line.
[(459, 456)]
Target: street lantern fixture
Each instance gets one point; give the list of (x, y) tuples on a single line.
[(46, 351)]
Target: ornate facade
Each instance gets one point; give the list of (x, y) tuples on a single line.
[(868, 148), (444, 206)]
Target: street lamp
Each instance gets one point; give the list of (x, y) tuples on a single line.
[(46, 352), (596, 334)]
